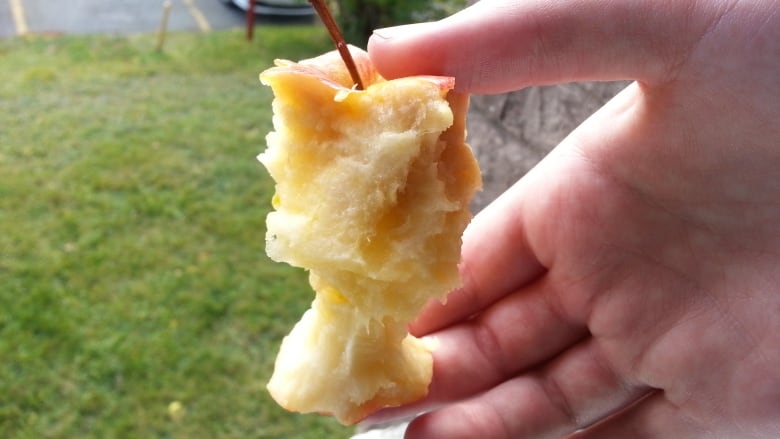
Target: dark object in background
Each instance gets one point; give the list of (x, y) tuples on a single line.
[(288, 8)]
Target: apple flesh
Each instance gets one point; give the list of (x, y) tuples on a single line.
[(372, 194)]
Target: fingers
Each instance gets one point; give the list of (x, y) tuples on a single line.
[(496, 260), (501, 45), (572, 392), (652, 417), (519, 332)]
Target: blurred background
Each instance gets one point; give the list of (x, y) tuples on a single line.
[(136, 299)]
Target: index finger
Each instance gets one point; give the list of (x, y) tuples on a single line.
[(501, 45)]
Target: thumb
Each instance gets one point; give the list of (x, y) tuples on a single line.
[(501, 45)]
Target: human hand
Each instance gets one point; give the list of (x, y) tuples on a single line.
[(629, 285)]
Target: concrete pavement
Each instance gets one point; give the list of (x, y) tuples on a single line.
[(19, 17)]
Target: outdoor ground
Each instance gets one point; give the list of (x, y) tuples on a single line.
[(135, 296), (45, 17)]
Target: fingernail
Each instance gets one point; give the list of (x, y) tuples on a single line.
[(388, 33), (385, 33)]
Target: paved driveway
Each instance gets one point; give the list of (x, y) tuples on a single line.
[(19, 17)]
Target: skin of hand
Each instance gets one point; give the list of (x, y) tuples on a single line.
[(629, 285)]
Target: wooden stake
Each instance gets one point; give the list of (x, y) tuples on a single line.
[(250, 20), (163, 25), (338, 39)]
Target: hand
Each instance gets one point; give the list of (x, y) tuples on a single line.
[(629, 285)]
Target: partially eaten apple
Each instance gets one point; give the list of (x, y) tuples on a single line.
[(372, 196)]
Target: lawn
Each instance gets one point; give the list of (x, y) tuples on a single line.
[(136, 300)]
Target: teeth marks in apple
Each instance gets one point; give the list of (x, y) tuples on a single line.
[(372, 195)]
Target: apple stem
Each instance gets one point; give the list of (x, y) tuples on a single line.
[(338, 39)]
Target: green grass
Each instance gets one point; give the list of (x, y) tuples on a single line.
[(133, 276)]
